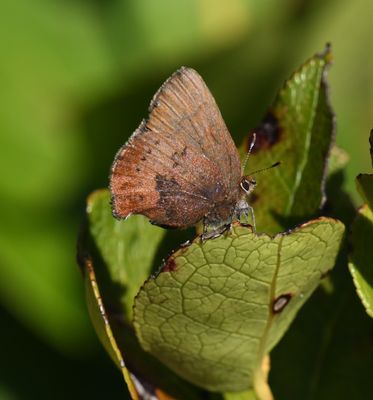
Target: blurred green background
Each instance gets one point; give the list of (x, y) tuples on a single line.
[(76, 78)]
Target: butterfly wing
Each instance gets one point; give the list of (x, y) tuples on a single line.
[(180, 162)]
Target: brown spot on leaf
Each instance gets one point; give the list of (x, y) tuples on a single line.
[(268, 133), (170, 265), (281, 302)]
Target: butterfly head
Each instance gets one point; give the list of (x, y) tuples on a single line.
[(248, 182)]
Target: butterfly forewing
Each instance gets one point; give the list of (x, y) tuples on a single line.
[(181, 162)]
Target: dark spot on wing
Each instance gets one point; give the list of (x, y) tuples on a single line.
[(138, 169), (143, 158), (167, 189), (268, 133), (281, 302), (183, 153), (165, 185)]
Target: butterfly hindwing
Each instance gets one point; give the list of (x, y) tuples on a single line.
[(180, 162)]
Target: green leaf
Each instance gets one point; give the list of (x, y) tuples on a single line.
[(116, 258), (218, 307), (121, 245), (364, 182), (361, 257), (298, 131), (101, 323), (327, 354)]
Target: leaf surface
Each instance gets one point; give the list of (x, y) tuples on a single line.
[(121, 246), (298, 131), (365, 181), (361, 257), (218, 307)]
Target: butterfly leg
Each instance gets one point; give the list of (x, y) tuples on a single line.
[(242, 212), (252, 217), (213, 227), (213, 234)]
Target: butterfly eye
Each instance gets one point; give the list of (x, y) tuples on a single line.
[(248, 184), (245, 185)]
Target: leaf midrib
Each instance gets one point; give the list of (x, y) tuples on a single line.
[(272, 292)]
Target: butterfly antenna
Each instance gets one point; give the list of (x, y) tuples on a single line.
[(265, 169), (253, 140)]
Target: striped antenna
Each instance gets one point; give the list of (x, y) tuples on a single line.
[(253, 140), (265, 169)]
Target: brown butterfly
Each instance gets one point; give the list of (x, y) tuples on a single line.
[(181, 165)]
